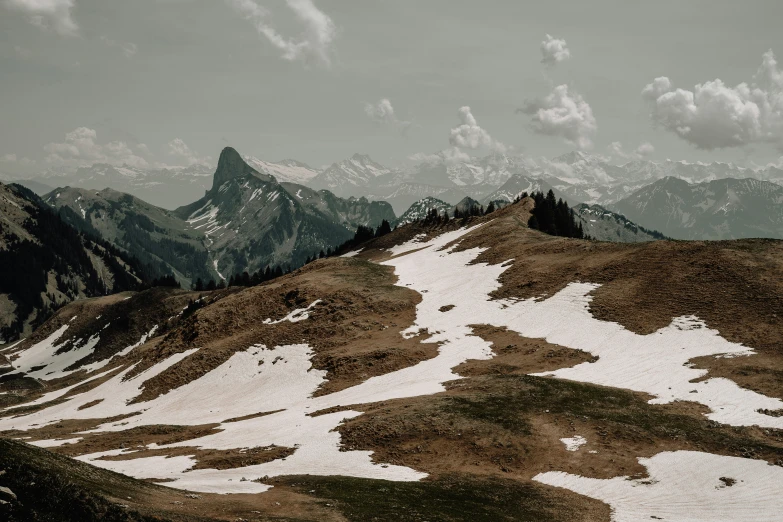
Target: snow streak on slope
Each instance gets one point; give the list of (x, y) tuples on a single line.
[(44, 360), (686, 486), (300, 314), (111, 399)]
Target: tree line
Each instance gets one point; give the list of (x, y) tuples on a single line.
[(553, 216)]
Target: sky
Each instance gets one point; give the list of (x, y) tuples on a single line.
[(154, 82)]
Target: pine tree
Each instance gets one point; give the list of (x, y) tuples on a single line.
[(383, 229), (490, 208)]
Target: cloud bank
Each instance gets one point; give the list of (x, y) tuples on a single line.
[(81, 148), (714, 115), (180, 150), (47, 14)]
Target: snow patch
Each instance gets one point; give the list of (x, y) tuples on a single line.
[(574, 443), (686, 486), (300, 314)]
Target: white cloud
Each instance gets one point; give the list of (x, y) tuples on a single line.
[(642, 151), (47, 14), (470, 135), (81, 148), (383, 113), (564, 114), (8, 158), (129, 49), (715, 115), (447, 156), (179, 149), (453, 155), (658, 87), (315, 42), (423, 157), (554, 51)]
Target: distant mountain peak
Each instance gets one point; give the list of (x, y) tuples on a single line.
[(573, 157), (231, 166)]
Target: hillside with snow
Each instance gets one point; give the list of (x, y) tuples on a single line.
[(481, 357)]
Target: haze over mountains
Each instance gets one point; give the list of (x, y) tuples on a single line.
[(577, 177)]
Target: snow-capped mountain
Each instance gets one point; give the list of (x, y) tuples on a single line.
[(401, 196), (491, 171), (419, 209), (285, 171), (604, 225), (351, 177), (246, 220), (719, 209), (516, 185)]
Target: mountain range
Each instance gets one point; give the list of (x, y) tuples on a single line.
[(47, 262), (576, 176), (248, 220), (717, 209), (245, 221)]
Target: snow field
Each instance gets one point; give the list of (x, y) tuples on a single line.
[(656, 364), (686, 486), (49, 364)]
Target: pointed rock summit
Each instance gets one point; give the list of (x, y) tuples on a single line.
[(231, 166)]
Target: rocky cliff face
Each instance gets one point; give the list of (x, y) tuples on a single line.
[(250, 221)]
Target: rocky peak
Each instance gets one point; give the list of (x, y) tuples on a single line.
[(231, 166)]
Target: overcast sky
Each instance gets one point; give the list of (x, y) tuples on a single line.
[(174, 81)]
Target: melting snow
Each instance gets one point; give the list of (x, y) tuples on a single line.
[(114, 394), (654, 364), (42, 360), (125, 351), (686, 486), (300, 314), (574, 443), (54, 443)]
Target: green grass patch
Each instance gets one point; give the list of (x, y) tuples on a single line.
[(454, 498)]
